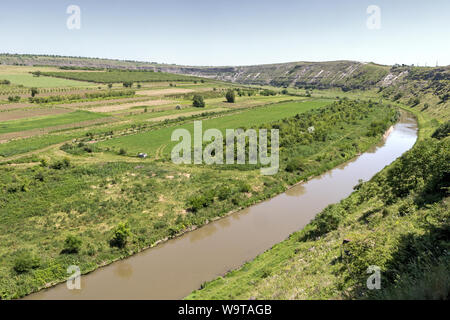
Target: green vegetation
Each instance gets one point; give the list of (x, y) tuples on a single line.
[(120, 235), (124, 76), (150, 142), (230, 96), (72, 244), (48, 121), (28, 80), (198, 102), (71, 97)]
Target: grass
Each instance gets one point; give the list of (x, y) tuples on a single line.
[(48, 121), (120, 76), (149, 142), (28, 80)]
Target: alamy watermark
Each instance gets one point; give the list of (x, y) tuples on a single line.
[(374, 280), (213, 153), (373, 21), (74, 280), (73, 22)]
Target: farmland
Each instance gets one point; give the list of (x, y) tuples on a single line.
[(43, 122), (21, 76), (120, 76), (151, 141), (70, 167)]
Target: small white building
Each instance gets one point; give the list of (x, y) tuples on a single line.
[(311, 129)]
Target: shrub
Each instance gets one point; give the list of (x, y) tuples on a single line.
[(244, 187), (198, 101), (195, 203), (72, 244), (120, 235), (61, 164), (25, 261), (442, 132), (14, 98), (267, 92), (224, 193), (295, 165), (230, 96)]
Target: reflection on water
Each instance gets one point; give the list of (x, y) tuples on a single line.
[(175, 268), (296, 191), (124, 270)]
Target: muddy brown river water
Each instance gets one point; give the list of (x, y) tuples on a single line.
[(175, 268)]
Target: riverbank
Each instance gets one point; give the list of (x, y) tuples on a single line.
[(403, 233)]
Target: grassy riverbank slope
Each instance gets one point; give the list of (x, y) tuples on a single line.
[(398, 221)]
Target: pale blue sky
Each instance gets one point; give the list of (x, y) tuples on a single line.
[(213, 32)]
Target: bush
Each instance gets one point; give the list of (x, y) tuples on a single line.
[(442, 132), (195, 203), (230, 96), (72, 244), (294, 165), (198, 101), (14, 98), (25, 261), (61, 164), (120, 235), (224, 193), (244, 187), (267, 92)]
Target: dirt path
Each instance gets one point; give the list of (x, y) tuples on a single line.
[(18, 156), (119, 107)]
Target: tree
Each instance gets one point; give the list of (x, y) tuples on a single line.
[(37, 73), (34, 91), (110, 85), (127, 84), (230, 96), (120, 235), (72, 244), (198, 101)]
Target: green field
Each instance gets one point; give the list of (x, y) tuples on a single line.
[(28, 80), (149, 142), (48, 121), (120, 76)]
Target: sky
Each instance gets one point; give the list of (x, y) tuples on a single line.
[(243, 32)]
